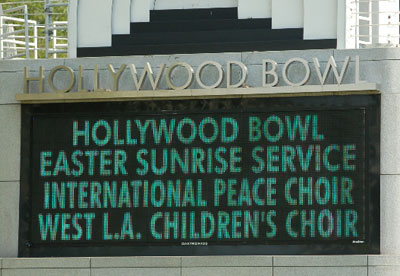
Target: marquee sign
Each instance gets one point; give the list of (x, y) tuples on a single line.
[(223, 176)]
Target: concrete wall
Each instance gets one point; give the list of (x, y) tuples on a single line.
[(377, 65), (193, 266)]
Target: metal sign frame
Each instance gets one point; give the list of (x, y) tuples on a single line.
[(369, 103)]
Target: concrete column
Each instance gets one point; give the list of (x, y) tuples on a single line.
[(320, 19), (140, 10), (287, 14), (94, 23), (10, 120), (72, 28), (254, 9), (390, 167), (121, 17)]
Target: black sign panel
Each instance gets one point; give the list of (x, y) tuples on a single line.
[(228, 176)]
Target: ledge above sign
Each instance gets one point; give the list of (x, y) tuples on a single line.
[(282, 91)]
